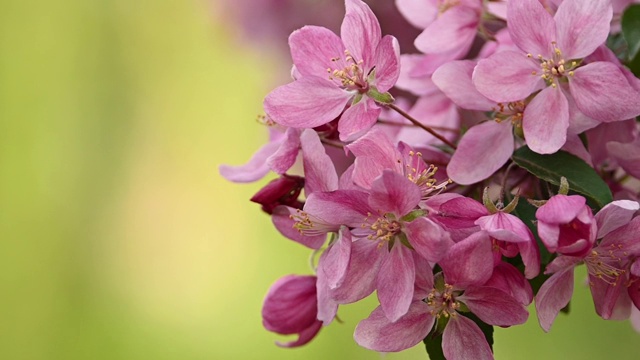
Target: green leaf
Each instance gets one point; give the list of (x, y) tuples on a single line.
[(631, 31), (433, 343), (582, 178)]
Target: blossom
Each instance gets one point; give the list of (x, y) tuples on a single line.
[(333, 73)]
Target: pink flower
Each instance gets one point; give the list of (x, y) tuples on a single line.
[(291, 307), (334, 73), (550, 63)]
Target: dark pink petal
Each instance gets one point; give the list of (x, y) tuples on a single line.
[(340, 207), (378, 333), (429, 239), (281, 219), (419, 13), (387, 63), (531, 27), (607, 299), (454, 79), (360, 279), (360, 31), (290, 306), (463, 340), (284, 158), (395, 282), (615, 215), (546, 120), (625, 238), (319, 172), (494, 306), (394, 193), (508, 278), (530, 254), (305, 103), (627, 155), (602, 92), (304, 336), (454, 29), (481, 152), (561, 209), (582, 26), (469, 262), (634, 293), (313, 47), (335, 260), (253, 170), (554, 295), (507, 76), (424, 277), (358, 118), (562, 263)]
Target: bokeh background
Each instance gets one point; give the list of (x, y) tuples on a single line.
[(118, 238)]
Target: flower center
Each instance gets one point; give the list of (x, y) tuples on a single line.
[(443, 303), (606, 264), (511, 111), (352, 76), (556, 68), (417, 172), (309, 225), (385, 228)]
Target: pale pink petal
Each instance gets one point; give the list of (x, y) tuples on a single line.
[(561, 209), (454, 79), (335, 260), (578, 121), (463, 340), (469, 262), (546, 120), (313, 47), (319, 172), (255, 169), (387, 63), (358, 118), (305, 103), (627, 155), (481, 152), (428, 239), (602, 92), (615, 215), (283, 222), (554, 295), (394, 193), (507, 76), (419, 13), (360, 279), (494, 306), (582, 26), (377, 146), (454, 29), (531, 27), (360, 31), (284, 158), (378, 333), (505, 227), (395, 282), (340, 207), (304, 336)]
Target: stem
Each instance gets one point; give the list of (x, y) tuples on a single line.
[(421, 125)]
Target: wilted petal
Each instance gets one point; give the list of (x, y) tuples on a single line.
[(360, 31), (394, 193), (454, 79), (507, 76), (546, 120), (615, 215), (481, 152), (469, 262), (319, 172), (531, 27), (429, 239), (582, 26), (494, 306), (378, 333), (395, 282), (313, 48), (463, 340), (454, 29), (554, 295), (602, 92), (358, 118)]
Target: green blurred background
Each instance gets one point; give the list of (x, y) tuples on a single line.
[(118, 238)]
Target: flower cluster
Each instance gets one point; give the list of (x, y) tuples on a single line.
[(450, 180)]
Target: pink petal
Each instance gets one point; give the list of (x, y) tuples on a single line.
[(290, 305), (607, 299), (313, 47), (463, 340), (507, 76), (429, 239), (335, 259), (469, 262), (554, 295), (378, 333), (454, 29), (387, 63), (360, 279), (360, 31), (357, 119), (319, 172), (419, 13), (383, 154), (395, 282), (454, 79), (305, 103), (327, 306), (602, 92), (393, 193), (546, 120), (255, 169), (615, 215), (481, 152), (627, 155), (340, 207), (284, 158), (561, 209), (505, 227), (582, 26), (531, 27), (494, 306), (509, 279), (304, 336), (281, 219)]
